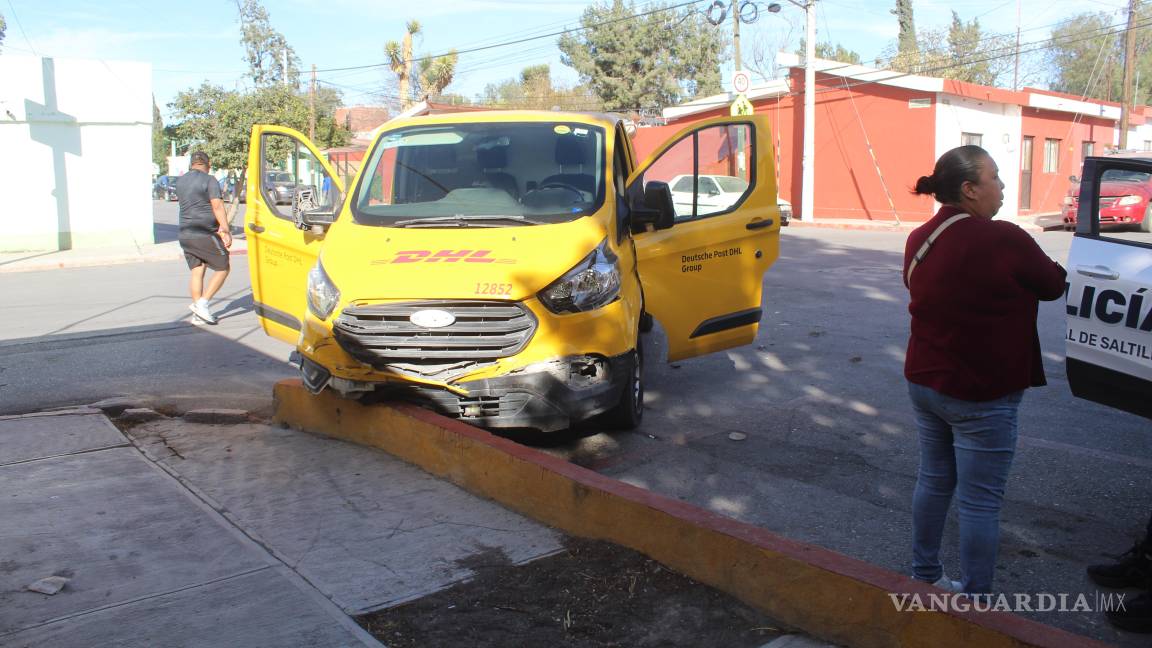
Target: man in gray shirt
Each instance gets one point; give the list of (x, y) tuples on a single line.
[(204, 234)]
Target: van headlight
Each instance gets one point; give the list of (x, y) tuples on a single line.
[(322, 293), (591, 284)]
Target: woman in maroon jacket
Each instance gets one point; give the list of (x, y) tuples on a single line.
[(975, 287)]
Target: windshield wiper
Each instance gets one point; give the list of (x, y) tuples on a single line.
[(467, 220)]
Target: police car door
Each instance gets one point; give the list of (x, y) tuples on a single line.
[(703, 276), (1109, 301), (289, 184)]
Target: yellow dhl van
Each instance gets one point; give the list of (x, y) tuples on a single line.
[(498, 267)]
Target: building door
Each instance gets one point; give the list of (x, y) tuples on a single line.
[(1026, 173)]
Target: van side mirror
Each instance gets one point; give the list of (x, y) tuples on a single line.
[(658, 208), (311, 215)]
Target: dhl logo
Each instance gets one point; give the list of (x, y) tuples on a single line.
[(445, 256)]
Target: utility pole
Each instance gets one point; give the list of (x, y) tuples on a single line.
[(1016, 65), (312, 106), (807, 189), (1129, 68), (736, 32)]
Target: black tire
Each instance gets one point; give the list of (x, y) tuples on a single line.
[(646, 322), (629, 412)]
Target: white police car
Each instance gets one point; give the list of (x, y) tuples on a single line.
[(1109, 300)]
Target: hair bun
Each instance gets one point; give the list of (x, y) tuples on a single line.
[(926, 185)]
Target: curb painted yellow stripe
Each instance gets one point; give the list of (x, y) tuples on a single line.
[(821, 592)]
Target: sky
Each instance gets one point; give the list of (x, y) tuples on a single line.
[(188, 43)]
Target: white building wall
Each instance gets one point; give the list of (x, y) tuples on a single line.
[(75, 153), (1139, 137), (1000, 127)]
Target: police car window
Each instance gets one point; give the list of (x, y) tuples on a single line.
[(709, 172), (1125, 204)]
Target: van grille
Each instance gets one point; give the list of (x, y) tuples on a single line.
[(383, 335)]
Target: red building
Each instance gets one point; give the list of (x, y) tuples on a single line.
[(877, 131)]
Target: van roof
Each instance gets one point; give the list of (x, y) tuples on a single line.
[(606, 120)]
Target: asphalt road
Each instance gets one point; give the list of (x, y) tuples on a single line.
[(829, 455)]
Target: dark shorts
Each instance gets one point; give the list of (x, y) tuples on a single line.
[(205, 250)]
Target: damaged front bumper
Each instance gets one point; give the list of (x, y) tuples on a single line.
[(546, 396)]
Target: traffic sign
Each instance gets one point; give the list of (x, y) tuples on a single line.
[(741, 106), (741, 81)]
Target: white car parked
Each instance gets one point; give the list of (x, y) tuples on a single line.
[(714, 194)]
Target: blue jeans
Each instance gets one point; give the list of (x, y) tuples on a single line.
[(966, 447)]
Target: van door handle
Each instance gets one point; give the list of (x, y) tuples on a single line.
[(256, 228), (1098, 272), (760, 224)]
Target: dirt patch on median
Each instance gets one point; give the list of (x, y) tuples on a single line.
[(592, 594)]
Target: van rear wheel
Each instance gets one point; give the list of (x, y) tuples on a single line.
[(628, 413)]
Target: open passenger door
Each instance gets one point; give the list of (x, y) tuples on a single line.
[(1109, 339), (292, 196), (703, 275)]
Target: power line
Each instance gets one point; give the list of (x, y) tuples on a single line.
[(521, 40), (21, 26)]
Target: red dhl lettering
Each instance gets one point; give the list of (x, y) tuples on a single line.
[(447, 256)]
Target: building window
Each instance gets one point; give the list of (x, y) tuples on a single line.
[(1148, 145), (1087, 149), (1051, 156), (971, 139)]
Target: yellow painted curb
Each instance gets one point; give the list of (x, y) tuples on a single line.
[(824, 593)]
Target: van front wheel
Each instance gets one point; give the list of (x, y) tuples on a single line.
[(628, 413)]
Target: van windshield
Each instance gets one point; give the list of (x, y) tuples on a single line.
[(459, 175)]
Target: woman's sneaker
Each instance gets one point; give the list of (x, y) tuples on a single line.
[(201, 311), (948, 585)]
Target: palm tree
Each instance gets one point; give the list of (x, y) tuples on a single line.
[(437, 73), (400, 60)]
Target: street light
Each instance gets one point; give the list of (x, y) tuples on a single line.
[(807, 211)]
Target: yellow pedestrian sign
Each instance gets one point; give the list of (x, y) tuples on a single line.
[(741, 106)]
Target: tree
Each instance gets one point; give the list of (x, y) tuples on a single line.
[(533, 90), (160, 141), (908, 44), (266, 51), (831, 52), (220, 121), (436, 73), (400, 60), (645, 61), (1086, 56), (3, 26), (962, 52)]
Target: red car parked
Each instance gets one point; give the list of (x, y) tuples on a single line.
[(1125, 199)]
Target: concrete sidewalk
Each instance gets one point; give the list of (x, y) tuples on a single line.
[(89, 257), (194, 534), (146, 563)]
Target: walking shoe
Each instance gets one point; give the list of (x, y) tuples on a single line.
[(1135, 616), (1133, 570), (948, 585), (201, 311)]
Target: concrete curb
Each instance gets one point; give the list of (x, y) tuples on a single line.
[(87, 258), (824, 593)]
